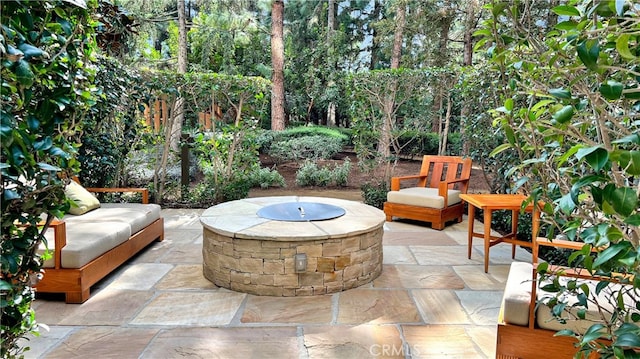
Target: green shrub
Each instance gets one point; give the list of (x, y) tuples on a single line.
[(310, 174), (341, 173), (375, 194), (265, 178), (307, 174), (306, 147), (304, 131), (264, 139), (414, 143)]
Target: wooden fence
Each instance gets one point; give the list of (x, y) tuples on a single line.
[(157, 115)]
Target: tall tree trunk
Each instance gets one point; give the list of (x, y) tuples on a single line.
[(441, 59), (331, 20), (469, 27), (374, 44), (331, 26), (470, 23), (277, 62), (178, 110), (384, 144), (552, 17), (397, 36), (445, 132)]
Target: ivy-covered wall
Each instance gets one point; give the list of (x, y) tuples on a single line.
[(47, 73)]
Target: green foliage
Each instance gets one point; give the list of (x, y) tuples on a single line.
[(415, 143), (303, 131), (479, 88), (375, 194), (400, 98), (243, 104), (310, 174), (46, 87), (229, 40), (305, 147), (266, 177), (570, 112), (335, 135), (228, 159), (114, 122)]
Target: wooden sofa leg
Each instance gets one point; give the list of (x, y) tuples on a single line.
[(437, 225), (76, 297)]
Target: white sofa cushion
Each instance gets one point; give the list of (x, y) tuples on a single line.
[(137, 215), (86, 241), (545, 319), (517, 296), (422, 197)]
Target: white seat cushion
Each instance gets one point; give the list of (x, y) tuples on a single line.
[(517, 296), (422, 197), (86, 241), (545, 319), (137, 215)]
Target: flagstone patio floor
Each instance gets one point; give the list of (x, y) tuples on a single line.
[(429, 302)]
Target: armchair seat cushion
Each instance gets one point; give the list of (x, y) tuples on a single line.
[(423, 197)]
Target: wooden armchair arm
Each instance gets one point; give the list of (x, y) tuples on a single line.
[(443, 188), (395, 181), (143, 191)]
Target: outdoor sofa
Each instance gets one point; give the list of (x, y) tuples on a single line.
[(527, 329), (95, 239)]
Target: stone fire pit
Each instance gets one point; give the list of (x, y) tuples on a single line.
[(246, 252)]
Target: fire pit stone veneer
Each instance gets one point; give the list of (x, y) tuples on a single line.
[(247, 253)]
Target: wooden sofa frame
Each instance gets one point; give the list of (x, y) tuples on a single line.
[(432, 170), (76, 283), (531, 341)]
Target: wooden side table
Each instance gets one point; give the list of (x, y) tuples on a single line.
[(494, 202)]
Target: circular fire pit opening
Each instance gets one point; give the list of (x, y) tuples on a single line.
[(323, 245), (300, 211)]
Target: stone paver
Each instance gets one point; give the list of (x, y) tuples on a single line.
[(377, 306), (241, 343), (361, 341), (438, 341), (187, 308), (99, 343), (266, 309), (429, 302)]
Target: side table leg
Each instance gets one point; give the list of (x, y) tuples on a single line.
[(514, 231), (487, 238), (471, 219)]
